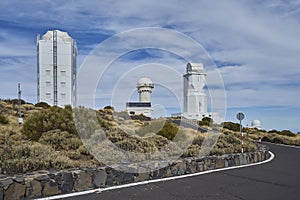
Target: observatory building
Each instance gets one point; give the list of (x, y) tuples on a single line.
[(194, 96), (144, 88), (256, 124), (56, 68)]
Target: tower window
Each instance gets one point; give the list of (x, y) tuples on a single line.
[(48, 95), (62, 73), (63, 95), (48, 83), (63, 84), (48, 72)]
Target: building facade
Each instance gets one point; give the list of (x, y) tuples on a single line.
[(56, 69)]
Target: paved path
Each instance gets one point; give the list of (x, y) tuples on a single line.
[(278, 179)]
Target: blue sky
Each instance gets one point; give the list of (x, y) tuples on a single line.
[(255, 45)]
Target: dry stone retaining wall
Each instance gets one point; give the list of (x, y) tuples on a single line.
[(50, 182)]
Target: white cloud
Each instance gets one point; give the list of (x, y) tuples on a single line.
[(261, 37)]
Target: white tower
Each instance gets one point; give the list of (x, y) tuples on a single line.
[(144, 87), (195, 101), (56, 68)]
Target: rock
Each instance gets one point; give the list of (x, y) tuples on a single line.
[(207, 164), (41, 177), (67, 182), (6, 182), (181, 168), (126, 178), (18, 178), (141, 177), (236, 160), (1, 194), (220, 163), (100, 179), (33, 189), (167, 172), (83, 181), (242, 159), (51, 188), (200, 166), (191, 167), (15, 191)]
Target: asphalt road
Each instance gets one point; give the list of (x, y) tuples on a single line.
[(278, 179)]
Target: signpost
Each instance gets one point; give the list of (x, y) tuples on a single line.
[(241, 116)]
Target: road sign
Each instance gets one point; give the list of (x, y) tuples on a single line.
[(240, 116)]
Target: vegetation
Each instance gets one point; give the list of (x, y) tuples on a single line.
[(49, 119), (3, 119), (48, 137), (231, 126), (206, 121)]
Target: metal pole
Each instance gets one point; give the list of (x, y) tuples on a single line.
[(19, 104), (242, 136)]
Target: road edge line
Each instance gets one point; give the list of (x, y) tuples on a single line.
[(99, 190)]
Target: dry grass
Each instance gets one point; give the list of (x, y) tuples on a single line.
[(112, 136)]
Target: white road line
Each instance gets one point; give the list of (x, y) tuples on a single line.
[(99, 190)]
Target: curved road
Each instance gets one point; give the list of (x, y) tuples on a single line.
[(278, 179)]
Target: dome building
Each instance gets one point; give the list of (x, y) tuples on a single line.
[(144, 87), (256, 124)]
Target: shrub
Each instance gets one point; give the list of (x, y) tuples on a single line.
[(30, 157), (206, 121), (287, 133), (42, 105), (231, 126), (3, 119), (49, 119), (169, 130), (108, 108), (266, 139), (60, 140)]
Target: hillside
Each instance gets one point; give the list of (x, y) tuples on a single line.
[(48, 138)]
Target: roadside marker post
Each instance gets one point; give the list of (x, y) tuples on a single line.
[(241, 116)]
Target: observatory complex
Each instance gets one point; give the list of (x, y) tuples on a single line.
[(144, 88), (56, 68)]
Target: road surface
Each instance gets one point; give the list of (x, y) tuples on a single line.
[(278, 179)]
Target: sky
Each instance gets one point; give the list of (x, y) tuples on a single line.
[(255, 46)]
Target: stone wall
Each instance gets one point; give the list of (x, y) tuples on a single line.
[(47, 182)]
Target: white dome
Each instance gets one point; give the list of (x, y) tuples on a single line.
[(145, 82), (256, 123)]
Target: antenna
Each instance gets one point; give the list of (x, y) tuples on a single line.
[(20, 119)]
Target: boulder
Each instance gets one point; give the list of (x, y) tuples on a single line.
[(51, 188), (15, 191), (100, 179), (83, 181), (33, 189)]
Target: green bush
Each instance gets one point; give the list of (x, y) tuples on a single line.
[(169, 130), (206, 121), (42, 105), (231, 126), (287, 133), (3, 119), (49, 119)]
